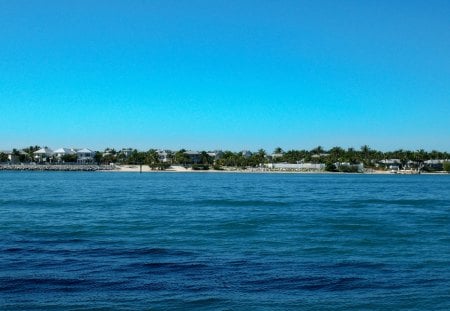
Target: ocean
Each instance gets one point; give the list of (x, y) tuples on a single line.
[(223, 241)]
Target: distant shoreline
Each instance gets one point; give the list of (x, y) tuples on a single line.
[(181, 169), (146, 169)]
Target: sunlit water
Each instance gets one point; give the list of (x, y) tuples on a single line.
[(165, 241)]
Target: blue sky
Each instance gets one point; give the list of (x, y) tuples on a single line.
[(225, 74)]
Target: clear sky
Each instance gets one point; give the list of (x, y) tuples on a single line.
[(225, 74)]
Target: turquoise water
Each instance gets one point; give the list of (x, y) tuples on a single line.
[(169, 241)]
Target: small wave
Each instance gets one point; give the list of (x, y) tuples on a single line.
[(357, 265), (309, 283), (205, 302), (219, 203), (133, 252), (242, 203), (175, 266), (42, 283), (407, 202)]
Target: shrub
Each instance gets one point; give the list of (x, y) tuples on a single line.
[(446, 166), (200, 167), (348, 169), (330, 167)]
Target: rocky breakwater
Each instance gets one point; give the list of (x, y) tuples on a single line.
[(56, 167)]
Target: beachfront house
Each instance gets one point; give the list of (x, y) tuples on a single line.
[(215, 155), (126, 152), (15, 155), (164, 156), (43, 155), (85, 156), (435, 164), (62, 153), (392, 164), (194, 156)]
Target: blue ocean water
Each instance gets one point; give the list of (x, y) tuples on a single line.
[(211, 241)]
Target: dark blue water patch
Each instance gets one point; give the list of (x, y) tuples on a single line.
[(169, 267), (308, 283), (198, 303), (242, 203), (397, 201), (207, 202), (43, 284), (136, 252), (351, 265)]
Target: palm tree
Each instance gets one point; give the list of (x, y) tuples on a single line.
[(337, 154), (205, 158), (278, 150), (318, 150), (365, 150), (181, 157), (152, 158)]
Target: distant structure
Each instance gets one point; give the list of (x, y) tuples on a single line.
[(43, 155), (85, 156)]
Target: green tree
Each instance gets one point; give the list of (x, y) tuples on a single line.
[(152, 158), (136, 157), (318, 150), (69, 158), (180, 157), (278, 150), (98, 157), (205, 158), (3, 157), (366, 155), (330, 167), (336, 154), (446, 166)]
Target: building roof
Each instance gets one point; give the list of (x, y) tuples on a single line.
[(434, 161), (192, 152), (85, 150), (391, 161), (45, 150), (64, 151)]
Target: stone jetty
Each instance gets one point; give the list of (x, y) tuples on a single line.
[(56, 167)]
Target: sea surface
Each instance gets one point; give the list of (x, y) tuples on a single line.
[(218, 241)]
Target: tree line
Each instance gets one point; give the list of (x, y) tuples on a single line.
[(365, 155)]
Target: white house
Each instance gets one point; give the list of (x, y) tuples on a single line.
[(163, 155), (216, 155), (85, 156), (43, 155), (392, 164), (59, 153), (126, 152)]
